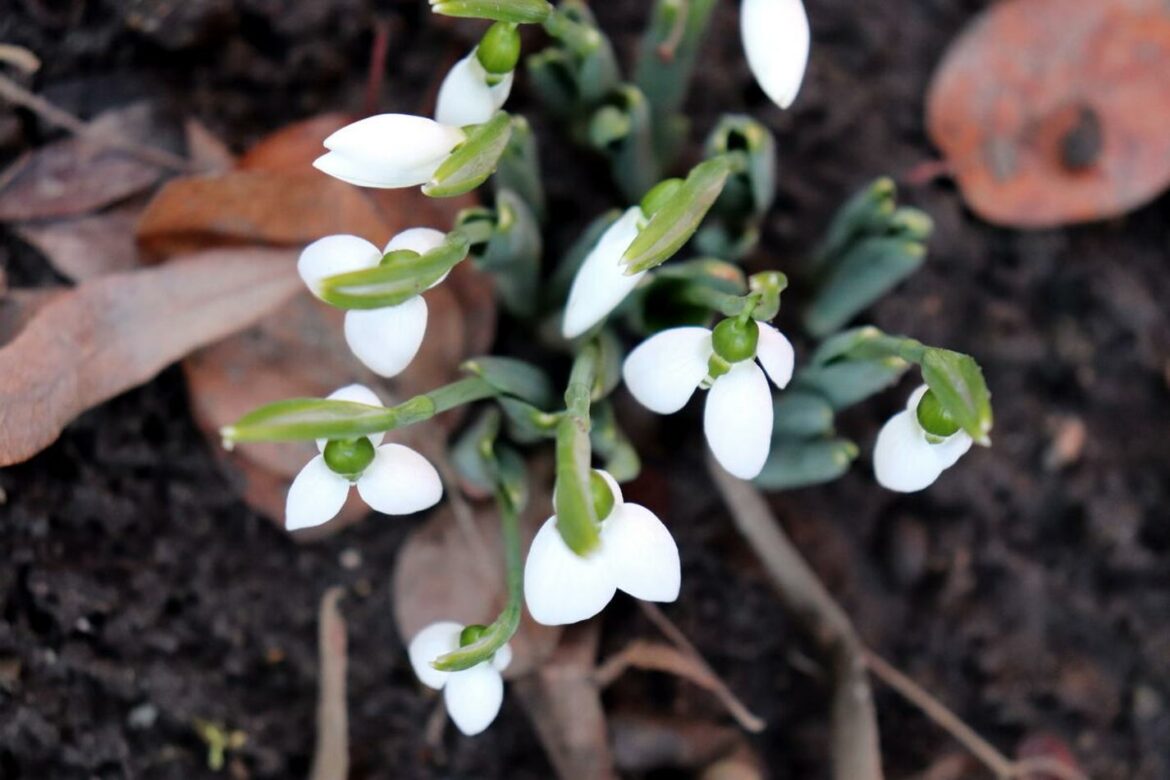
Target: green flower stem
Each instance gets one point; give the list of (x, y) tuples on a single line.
[(576, 516), (504, 627), (738, 306), (883, 346), (299, 419)]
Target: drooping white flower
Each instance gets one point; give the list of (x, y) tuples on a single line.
[(385, 340), (467, 97), (389, 150), (663, 372), (397, 481), (776, 40), (601, 283), (636, 555), (905, 459), (473, 696)]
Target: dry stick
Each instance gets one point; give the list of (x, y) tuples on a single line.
[(855, 751), (746, 718), (19, 57), (14, 93), (331, 757)]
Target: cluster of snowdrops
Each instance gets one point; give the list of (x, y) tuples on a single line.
[(707, 323)]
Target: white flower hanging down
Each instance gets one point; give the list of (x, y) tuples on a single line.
[(601, 283), (776, 41), (663, 372), (905, 458), (636, 555), (472, 696), (467, 96), (391, 478), (387, 339), (389, 150)]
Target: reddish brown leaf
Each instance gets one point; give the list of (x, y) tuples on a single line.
[(293, 148), (17, 307), (1055, 111), (75, 176), (207, 152), (88, 247), (1047, 751), (116, 332)]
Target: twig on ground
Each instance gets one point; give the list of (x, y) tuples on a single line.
[(331, 757), (856, 754), (14, 93), (19, 57)]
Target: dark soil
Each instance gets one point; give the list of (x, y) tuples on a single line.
[(1031, 593)]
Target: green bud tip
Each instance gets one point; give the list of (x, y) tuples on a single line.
[(471, 634), (736, 341), (603, 498), (349, 457), (934, 418), (659, 195), (499, 50)]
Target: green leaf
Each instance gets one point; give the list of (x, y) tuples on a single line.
[(609, 364), (801, 415), (471, 455), (298, 419), (611, 444), (632, 159), (868, 211), (401, 276), (957, 381), (794, 463), (513, 377), (519, 168), (474, 160), (742, 133), (586, 60), (869, 269), (517, 11), (526, 423), (848, 382), (673, 225), (512, 254)]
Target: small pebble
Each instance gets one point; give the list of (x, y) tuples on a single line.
[(350, 559)]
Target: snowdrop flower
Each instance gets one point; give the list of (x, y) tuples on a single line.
[(637, 555), (908, 458), (775, 39), (663, 372), (385, 340), (389, 150), (392, 479), (473, 696), (470, 95), (601, 283)]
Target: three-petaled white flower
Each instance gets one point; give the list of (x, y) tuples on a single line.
[(905, 458), (385, 339), (664, 370), (601, 283), (776, 40), (468, 96), (389, 150), (637, 555), (395, 480), (473, 696)]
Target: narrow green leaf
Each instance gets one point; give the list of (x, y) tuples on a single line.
[(519, 169), (867, 211), (794, 463), (512, 254), (474, 160), (526, 423), (848, 382), (513, 377), (471, 455), (869, 269), (516, 11), (957, 381), (673, 225), (298, 419), (611, 444), (801, 415)]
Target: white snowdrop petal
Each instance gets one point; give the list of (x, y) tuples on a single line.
[(399, 481), (560, 586), (614, 488), (916, 397), (949, 450), (737, 420), (357, 173), (642, 554), (395, 142), (315, 496), (601, 283), (334, 255), (663, 371), (503, 658), (776, 355), (358, 394), (775, 37), (466, 98), (421, 240), (903, 460), (433, 641), (386, 340), (473, 698)]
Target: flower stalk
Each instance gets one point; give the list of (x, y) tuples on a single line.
[(576, 517)]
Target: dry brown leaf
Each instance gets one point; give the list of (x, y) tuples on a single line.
[(76, 176), (293, 148), (1055, 111), (87, 247), (207, 152), (331, 757), (17, 307), (113, 333)]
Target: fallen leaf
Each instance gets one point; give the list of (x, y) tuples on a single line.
[(113, 333), (294, 147), (17, 307), (87, 247), (76, 176), (207, 152), (1055, 111), (331, 757)]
